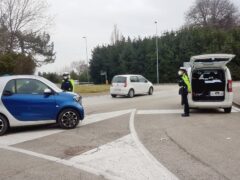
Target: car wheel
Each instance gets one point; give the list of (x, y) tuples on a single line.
[(131, 93), (150, 91), (3, 125), (68, 118), (228, 110), (113, 95)]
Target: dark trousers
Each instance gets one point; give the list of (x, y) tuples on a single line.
[(185, 103)]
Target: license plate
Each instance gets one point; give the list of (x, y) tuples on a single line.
[(217, 93)]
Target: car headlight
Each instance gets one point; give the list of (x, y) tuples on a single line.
[(78, 99)]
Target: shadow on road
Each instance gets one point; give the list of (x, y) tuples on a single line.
[(14, 130)]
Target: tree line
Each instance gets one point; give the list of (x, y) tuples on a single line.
[(212, 26), (138, 56)]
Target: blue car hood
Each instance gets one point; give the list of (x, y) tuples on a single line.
[(68, 94)]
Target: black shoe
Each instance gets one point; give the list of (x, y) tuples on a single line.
[(185, 115)]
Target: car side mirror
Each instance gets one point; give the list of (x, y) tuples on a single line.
[(7, 93), (47, 91), (146, 81)]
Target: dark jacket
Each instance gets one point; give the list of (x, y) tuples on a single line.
[(67, 85)]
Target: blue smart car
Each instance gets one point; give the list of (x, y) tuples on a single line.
[(32, 100)]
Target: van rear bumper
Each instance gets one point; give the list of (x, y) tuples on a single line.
[(213, 104)]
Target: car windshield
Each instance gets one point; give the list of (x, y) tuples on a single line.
[(119, 79)]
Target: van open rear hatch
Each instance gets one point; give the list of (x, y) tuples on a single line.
[(208, 76), (208, 85), (210, 60)]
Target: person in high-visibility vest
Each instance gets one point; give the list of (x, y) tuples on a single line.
[(185, 89), (67, 83)]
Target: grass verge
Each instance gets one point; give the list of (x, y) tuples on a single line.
[(88, 89)]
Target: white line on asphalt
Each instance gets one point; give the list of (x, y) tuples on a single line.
[(162, 111), (165, 173), (62, 161), (122, 158), (236, 109), (11, 139), (103, 116)]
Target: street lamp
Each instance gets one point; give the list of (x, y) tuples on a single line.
[(157, 51), (86, 57)]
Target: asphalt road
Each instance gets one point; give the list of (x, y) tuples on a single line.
[(140, 138)]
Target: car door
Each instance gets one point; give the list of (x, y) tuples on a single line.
[(26, 101), (135, 84), (143, 83)]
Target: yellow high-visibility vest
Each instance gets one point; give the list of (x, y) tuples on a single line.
[(187, 82), (73, 84)]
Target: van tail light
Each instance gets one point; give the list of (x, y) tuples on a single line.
[(229, 86), (125, 84)]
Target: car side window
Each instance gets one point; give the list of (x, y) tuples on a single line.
[(134, 79), (10, 88), (142, 79), (30, 86)]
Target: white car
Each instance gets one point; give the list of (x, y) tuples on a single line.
[(211, 82), (130, 85)]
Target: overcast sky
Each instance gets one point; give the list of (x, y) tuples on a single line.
[(95, 19)]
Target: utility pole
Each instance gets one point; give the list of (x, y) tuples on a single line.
[(86, 56), (157, 52)]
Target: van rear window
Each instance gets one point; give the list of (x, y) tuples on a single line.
[(119, 79)]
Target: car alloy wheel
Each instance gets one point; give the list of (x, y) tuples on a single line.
[(68, 119), (3, 125)]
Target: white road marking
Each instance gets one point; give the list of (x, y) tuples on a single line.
[(162, 111), (103, 116), (121, 158), (63, 161), (11, 139), (164, 172), (235, 109)]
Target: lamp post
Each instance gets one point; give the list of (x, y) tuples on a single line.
[(86, 56), (157, 51)]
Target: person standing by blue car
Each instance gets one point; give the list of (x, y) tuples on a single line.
[(185, 88), (67, 83)]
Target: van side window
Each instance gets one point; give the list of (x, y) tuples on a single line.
[(134, 79)]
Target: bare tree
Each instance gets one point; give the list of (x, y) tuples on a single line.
[(79, 66), (116, 35), (23, 16), (23, 23), (213, 13)]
